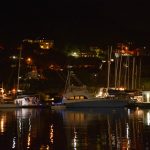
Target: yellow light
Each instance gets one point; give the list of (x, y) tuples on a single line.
[(41, 46), (51, 134), (29, 60), (2, 124), (14, 91), (75, 54), (29, 140)]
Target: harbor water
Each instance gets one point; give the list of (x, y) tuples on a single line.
[(75, 129)]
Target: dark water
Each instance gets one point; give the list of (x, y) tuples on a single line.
[(84, 129)]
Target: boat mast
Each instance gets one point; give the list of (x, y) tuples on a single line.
[(67, 83), (125, 73), (109, 62), (120, 71), (133, 73), (19, 65), (128, 80), (136, 73), (116, 69), (140, 74)]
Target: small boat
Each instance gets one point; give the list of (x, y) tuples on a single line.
[(23, 101), (27, 101)]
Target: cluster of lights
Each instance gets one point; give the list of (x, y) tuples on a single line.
[(45, 45)]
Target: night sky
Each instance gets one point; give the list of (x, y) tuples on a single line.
[(84, 21)]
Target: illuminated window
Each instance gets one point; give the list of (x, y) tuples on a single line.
[(77, 97), (71, 98), (81, 97)]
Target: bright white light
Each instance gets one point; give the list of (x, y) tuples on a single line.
[(74, 54), (127, 136), (2, 90), (14, 57), (116, 55), (75, 140), (147, 97), (103, 61), (148, 118), (127, 130), (129, 112), (99, 94), (14, 143)]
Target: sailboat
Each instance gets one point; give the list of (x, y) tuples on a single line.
[(22, 100), (26, 100)]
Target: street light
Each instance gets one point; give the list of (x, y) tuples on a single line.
[(29, 61)]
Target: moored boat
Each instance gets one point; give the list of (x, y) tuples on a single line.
[(79, 96), (23, 101), (27, 101), (97, 102)]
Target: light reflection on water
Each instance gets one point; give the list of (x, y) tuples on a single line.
[(75, 129)]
